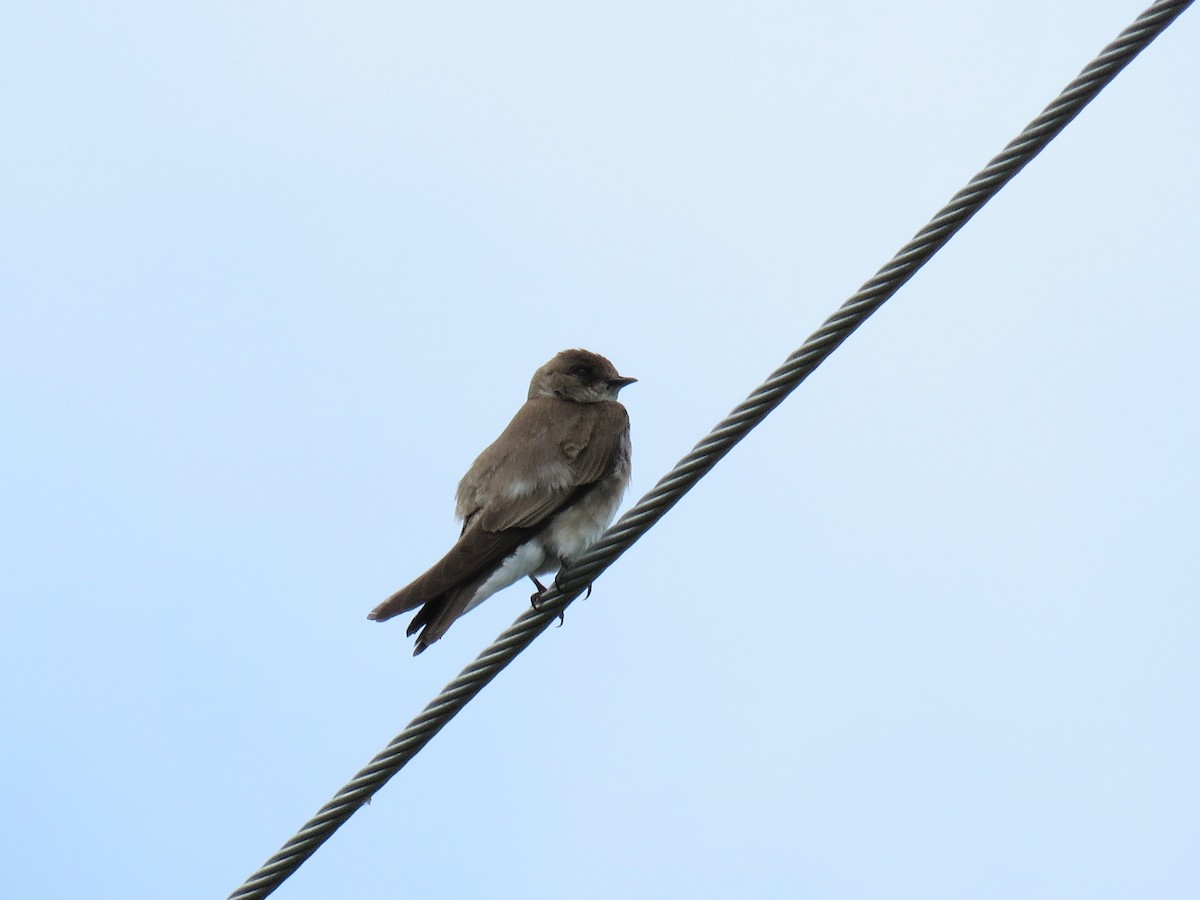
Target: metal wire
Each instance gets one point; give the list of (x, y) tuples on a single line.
[(572, 582)]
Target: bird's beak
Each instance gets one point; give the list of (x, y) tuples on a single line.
[(618, 383)]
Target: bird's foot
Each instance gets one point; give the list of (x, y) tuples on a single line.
[(536, 597), (565, 563), (535, 601)]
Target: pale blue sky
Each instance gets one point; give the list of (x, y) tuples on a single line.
[(273, 274)]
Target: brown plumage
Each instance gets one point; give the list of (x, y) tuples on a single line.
[(544, 490)]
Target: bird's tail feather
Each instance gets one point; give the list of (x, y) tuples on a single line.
[(402, 601)]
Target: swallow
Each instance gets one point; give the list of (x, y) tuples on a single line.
[(535, 499)]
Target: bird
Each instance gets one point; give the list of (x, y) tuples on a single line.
[(535, 499)]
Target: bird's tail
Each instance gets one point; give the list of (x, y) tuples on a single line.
[(436, 615)]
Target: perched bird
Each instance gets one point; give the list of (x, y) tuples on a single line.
[(535, 499)]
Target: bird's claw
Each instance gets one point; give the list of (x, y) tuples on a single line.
[(535, 598), (565, 563), (537, 595)]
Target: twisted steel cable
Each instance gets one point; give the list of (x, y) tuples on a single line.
[(572, 581)]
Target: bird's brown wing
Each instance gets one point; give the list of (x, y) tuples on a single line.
[(573, 450)]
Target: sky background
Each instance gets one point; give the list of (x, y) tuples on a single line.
[(274, 273)]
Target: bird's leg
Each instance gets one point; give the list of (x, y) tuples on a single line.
[(541, 589), (533, 601)]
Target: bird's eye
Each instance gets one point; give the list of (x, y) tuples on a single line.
[(581, 372)]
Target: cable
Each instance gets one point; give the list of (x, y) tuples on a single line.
[(614, 542)]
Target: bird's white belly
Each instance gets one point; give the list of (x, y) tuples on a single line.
[(577, 528), (568, 535), (572, 533)]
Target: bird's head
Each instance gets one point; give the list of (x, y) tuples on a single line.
[(580, 376)]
